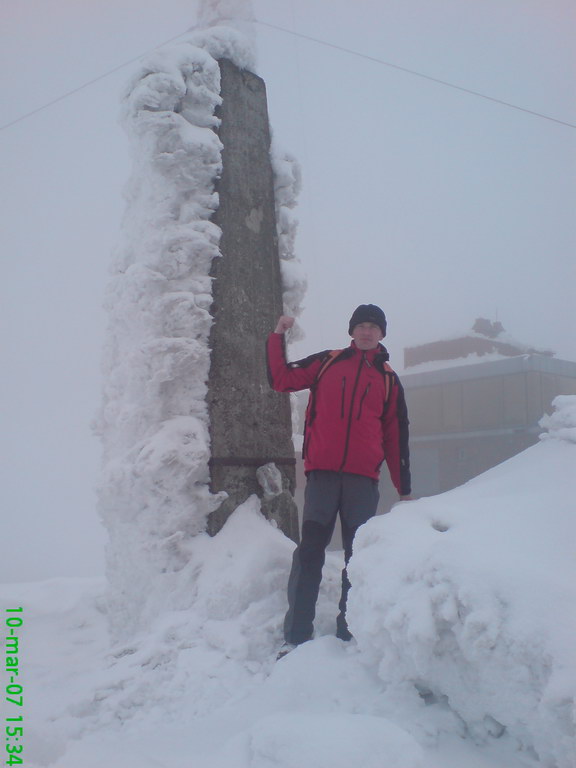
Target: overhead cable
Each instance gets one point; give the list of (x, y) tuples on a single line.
[(311, 39), (89, 83), (413, 72)]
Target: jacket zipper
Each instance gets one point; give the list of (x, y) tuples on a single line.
[(343, 397), (362, 401), (345, 455)]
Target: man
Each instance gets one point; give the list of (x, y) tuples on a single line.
[(356, 419)]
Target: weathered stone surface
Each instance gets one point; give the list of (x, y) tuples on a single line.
[(250, 424)]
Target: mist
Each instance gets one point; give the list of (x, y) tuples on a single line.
[(436, 204)]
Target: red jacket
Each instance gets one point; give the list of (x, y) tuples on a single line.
[(356, 416)]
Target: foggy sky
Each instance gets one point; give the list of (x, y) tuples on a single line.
[(436, 204)]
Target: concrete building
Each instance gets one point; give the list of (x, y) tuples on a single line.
[(466, 415)]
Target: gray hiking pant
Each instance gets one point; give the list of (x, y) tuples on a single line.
[(355, 497)]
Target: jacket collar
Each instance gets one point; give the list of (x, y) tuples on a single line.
[(379, 354)]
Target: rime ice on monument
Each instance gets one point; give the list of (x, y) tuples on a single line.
[(195, 283)]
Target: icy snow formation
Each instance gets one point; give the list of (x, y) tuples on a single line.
[(154, 492), (225, 29), (287, 183), (469, 597), (562, 423)]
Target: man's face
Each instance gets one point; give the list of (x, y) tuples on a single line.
[(366, 335)]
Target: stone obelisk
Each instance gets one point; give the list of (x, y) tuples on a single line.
[(250, 424)]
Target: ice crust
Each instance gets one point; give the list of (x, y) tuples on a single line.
[(154, 493)]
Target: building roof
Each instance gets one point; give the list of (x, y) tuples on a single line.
[(495, 366), (485, 338)]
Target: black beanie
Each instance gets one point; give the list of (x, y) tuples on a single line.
[(368, 313)]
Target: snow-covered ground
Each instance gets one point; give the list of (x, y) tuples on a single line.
[(462, 611)]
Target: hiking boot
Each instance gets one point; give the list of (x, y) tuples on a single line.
[(285, 650), (342, 631)]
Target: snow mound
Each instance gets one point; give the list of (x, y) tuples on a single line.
[(561, 425), (469, 597), (212, 629), (289, 740)]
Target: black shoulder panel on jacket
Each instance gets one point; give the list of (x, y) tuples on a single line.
[(307, 361)]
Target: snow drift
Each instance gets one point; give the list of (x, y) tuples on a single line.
[(462, 608), (469, 596)]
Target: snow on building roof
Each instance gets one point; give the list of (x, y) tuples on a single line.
[(486, 340), (475, 367)]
